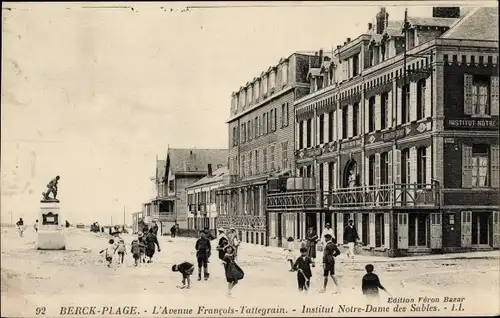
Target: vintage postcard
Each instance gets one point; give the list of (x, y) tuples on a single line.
[(250, 159)]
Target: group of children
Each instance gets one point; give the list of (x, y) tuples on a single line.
[(370, 284), (138, 249)]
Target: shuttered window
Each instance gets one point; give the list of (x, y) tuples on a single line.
[(249, 130), (377, 169), (345, 125), (421, 99), (271, 158), (371, 170), (321, 128), (330, 126), (309, 133), (250, 163), (284, 155), (384, 168), (256, 161), (264, 160), (466, 166), (494, 95), (480, 92), (384, 109), (405, 104), (421, 165), (243, 167), (480, 166), (301, 134), (371, 114), (355, 119), (495, 163)]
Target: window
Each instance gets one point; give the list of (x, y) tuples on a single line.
[(249, 95), (284, 73), (284, 155), (355, 116), (309, 133), (371, 114), (264, 85), (345, 123), (421, 165), (405, 166), (275, 119), (264, 160), (171, 186), (256, 161), (256, 127), (272, 79), (371, 170), (264, 119), (235, 165), (330, 126), (384, 168), (243, 98), (405, 104), (355, 65), (242, 169), (256, 90), (321, 128), (243, 132), (480, 166), (384, 110), (271, 119), (284, 115), (480, 94), (301, 134), (235, 136), (271, 159), (250, 163), (249, 130), (421, 99), (235, 101)]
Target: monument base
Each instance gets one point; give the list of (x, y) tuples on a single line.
[(51, 240)]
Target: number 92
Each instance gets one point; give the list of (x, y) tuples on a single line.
[(40, 310)]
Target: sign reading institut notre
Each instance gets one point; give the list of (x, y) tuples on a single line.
[(473, 123)]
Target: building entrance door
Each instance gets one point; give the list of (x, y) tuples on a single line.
[(436, 230), (417, 230), (480, 229), (402, 230)]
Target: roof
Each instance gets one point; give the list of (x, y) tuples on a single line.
[(195, 160), (478, 24), (435, 22), (217, 176), (394, 28), (160, 169)]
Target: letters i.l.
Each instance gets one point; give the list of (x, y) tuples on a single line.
[(458, 307)]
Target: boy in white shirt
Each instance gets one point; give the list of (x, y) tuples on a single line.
[(110, 251)]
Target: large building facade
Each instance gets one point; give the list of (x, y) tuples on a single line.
[(405, 143), (261, 143)]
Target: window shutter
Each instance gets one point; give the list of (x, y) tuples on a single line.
[(495, 166), (387, 233), (467, 94), (397, 166), (335, 174), (413, 101), (494, 95), (349, 120), (340, 124), (413, 165), (326, 181), (335, 125), (466, 166), (326, 120), (317, 126), (389, 109), (366, 174), (377, 169), (366, 116), (378, 114), (428, 97), (389, 170), (428, 165), (399, 106)]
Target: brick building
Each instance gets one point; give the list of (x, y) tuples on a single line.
[(411, 156), (261, 143)]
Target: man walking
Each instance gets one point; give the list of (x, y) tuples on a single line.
[(351, 237), (327, 230)]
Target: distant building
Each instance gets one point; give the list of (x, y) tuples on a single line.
[(201, 205), (405, 145), (136, 222), (181, 168)]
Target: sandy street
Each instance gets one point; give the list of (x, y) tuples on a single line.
[(43, 281)]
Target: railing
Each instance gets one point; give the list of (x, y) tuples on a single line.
[(292, 200), (257, 222)]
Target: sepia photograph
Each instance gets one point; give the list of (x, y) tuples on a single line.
[(250, 159)]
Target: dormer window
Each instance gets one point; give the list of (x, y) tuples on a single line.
[(272, 80), (235, 102), (284, 74), (256, 89), (264, 85), (242, 98), (249, 95)]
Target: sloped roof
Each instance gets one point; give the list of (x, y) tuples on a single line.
[(217, 176), (195, 160), (478, 24), (394, 28), (435, 22), (161, 166)]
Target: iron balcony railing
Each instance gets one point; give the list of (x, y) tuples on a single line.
[(425, 195)]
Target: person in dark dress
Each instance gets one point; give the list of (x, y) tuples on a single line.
[(303, 267), (233, 272), (370, 284), (151, 241), (202, 254), (312, 239)]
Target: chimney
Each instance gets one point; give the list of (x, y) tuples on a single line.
[(370, 26), (381, 18), (338, 47), (348, 40), (446, 12), (209, 169), (321, 56)]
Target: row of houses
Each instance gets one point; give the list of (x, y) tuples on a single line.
[(396, 129)]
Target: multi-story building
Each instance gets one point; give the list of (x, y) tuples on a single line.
[(261, 142), (201, 205), (406, 144), (181, 168)]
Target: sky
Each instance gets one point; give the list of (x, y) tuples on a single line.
[(93, 92)]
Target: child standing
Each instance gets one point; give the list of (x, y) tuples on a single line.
[(110, 251), (331, 251), (136, 251), (303, 266), (202, 253), (121, 250), (233, 272), (371, 283), (186, 269)]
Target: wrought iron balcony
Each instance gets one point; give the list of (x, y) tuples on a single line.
[(247, 222), (291, 200), (425, 195)]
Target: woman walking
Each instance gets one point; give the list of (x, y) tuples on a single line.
[(312, 239), (151, 241)]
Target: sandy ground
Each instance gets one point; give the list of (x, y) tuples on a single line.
[(49, 280)]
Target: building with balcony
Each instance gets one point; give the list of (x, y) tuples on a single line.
[(406, 142), (261, 142), (181, 168), (201, 205)]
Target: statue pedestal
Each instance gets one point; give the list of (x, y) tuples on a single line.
[(51, 231)]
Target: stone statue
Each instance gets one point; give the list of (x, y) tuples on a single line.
[(51, 188), (352, 179)]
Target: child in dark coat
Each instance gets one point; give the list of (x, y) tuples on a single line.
[(203, 249), (370, 284), (135, 249), (233, 272), (186, 269), (303, 267)]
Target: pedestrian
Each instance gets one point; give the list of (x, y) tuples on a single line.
[(151, 241), (186, 269), (222, 242), (202, 253), (331, 251), (142, 243), (327, 230), (233, 241), (303, 267), (172, 231), (233, 272), (155, 228), (312, 239), (370, 284), (36, 226), (209, 234), (110, 251), (121, 249), (135, 249), (350, 237)]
